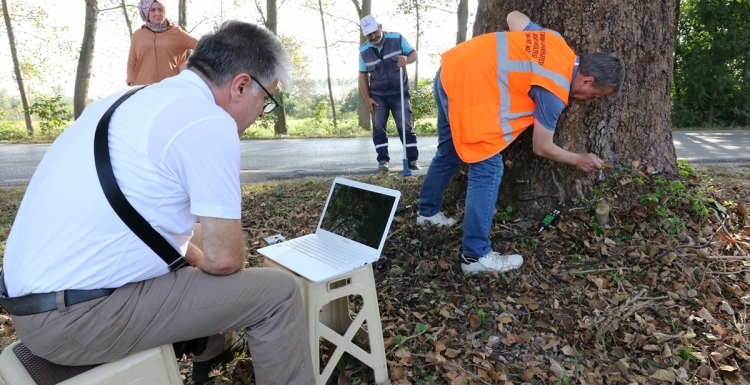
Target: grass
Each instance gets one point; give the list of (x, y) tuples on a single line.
[(14, 131)]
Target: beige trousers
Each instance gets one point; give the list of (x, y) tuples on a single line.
[(180, 306)]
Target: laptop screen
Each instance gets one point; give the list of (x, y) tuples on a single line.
[(357, 214)]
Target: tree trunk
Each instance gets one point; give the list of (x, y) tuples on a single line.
[(416, 47), (363, 113), (712, 103), (127, 18), (635, 126), (675, 32), (328, 63), (746, 84), (17, 69), (83, 73), (279, 127), (182, 14), (463, 19)]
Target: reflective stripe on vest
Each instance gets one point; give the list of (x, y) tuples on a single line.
[(487, 80)]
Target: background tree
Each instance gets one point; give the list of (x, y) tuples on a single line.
[(711, 85), (363, 113), (83, 73), (271, 21), (462, 14), (127, 17), (635, 127), (182, 14), (328, 62), (17, 68)]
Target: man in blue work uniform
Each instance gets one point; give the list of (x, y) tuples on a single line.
[(380, 58)]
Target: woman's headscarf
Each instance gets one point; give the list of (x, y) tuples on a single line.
[(144, 8)]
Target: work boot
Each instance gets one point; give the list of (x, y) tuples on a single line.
[(492, 261), (438, 219), (202, 369), (414, 165), (383, 165)]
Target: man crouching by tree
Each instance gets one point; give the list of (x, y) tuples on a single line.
[(496, 86), (175, 153)]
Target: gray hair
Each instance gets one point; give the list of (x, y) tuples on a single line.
[(607, 70), (237, 47)]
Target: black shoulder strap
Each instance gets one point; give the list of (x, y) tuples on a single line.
[(117, 199)]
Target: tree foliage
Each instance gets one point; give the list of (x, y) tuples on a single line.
[(712, 61)]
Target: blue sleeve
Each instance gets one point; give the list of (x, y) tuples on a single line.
[(534, 27), (548, 107), (406, 48), (362, 67)]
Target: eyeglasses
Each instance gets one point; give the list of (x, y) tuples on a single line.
[(270, 105)]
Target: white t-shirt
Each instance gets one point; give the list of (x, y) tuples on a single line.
[(176, 156)]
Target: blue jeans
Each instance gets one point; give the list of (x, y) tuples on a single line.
[(484, 181), (392, 105)]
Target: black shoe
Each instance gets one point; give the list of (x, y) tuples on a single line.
[(383, 165), (201, 369), (413, 165)]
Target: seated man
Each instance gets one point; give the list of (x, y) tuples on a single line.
[(175, 153)]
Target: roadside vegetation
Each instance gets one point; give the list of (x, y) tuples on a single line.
[(658, 295)]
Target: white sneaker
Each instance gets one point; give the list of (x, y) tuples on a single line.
[(438, 219), (493, 261)]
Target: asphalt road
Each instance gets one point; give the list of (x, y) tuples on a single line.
[(267, 160)]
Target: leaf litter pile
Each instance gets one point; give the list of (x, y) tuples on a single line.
[(657, 295)]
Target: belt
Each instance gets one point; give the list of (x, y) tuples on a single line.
[(44, 302)]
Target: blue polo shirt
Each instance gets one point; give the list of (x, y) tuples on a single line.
[(548, 105), (406, 48)]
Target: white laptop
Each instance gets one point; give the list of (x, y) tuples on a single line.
[(351, 232)]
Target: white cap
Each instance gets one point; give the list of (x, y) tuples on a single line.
[(368, 24)]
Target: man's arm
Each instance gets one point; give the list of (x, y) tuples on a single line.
[(517, 21), (223, 247), (546, 148), (364, 85)]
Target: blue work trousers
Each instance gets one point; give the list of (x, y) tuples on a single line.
[(484, 181), (392, 105)]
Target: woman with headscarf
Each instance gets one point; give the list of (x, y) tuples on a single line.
[(158, 49)]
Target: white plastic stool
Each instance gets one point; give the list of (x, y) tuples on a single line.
[(327, 309), (156, 366)]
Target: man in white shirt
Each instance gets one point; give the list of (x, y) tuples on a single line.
[(175, 153)]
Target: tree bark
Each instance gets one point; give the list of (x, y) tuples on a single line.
[(363, 113), (328, 63), (17, 70), (83, 72), (127, 17), (182, 14), (635, 126), (462, 12)]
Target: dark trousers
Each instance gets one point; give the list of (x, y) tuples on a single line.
[(392, 105)]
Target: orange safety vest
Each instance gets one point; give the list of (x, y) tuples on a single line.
[(487, 80)]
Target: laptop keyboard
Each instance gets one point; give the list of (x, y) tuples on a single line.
[(324, 252)]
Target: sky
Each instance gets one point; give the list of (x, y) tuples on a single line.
[(295, 20)]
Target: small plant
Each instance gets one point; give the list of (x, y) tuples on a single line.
[(687, 354), (595, 228), (53, 114), (504, 215)]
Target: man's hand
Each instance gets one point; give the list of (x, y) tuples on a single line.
[(401, 61), (588, 162), (370, 104)]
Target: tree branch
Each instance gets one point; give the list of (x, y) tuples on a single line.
[(330, 15), (260, 11), (356, 5)]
